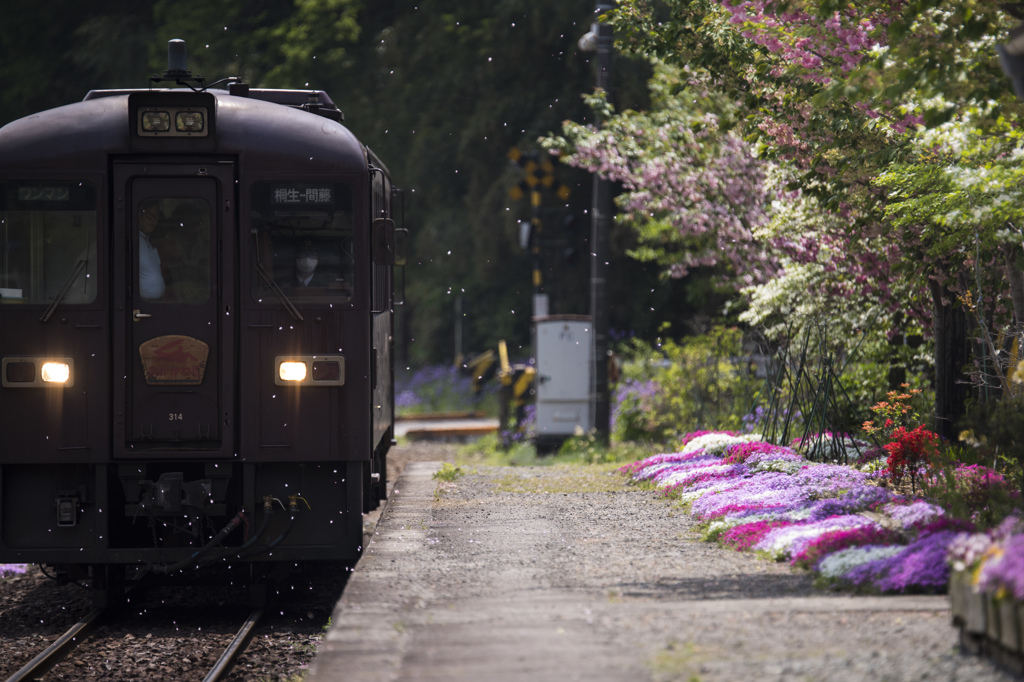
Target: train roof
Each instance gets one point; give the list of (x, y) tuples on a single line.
[(289, 130)]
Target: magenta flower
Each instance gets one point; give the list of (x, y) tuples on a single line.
[(747, 535), (844, 538)]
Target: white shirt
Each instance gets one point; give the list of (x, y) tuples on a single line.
[(151, 280)]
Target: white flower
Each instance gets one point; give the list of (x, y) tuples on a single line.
[(840, 563), (715, 443)]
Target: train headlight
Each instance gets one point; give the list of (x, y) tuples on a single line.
[(310, 370), (189, 121), (156, 121), (30, 372), (174, 120), (55, 372), (292, 371)]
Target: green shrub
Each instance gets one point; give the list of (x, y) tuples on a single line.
[(702, 382)]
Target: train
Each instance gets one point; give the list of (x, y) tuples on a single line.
[(198, 287)]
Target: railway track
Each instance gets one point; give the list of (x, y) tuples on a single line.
[(45, 661)]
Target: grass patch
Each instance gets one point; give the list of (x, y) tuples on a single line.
[(579, 450), (563, 478), (449, 473), (678, 661)]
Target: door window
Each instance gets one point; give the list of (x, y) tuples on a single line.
[(48, 242), (174, 250)]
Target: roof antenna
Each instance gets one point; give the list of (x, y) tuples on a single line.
[(177, 63)]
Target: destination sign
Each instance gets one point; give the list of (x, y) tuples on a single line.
[(41, 193), (289, 194)]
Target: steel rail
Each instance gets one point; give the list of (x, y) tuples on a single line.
[(237, 646), (54, 653)]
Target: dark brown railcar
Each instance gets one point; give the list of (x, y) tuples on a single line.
[(139, 417)]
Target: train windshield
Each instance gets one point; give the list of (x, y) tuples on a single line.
[(303, 241), (48, 242)]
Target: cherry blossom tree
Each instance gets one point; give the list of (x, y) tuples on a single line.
[(844, 99), (695, 191)]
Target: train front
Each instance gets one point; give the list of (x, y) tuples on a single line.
[(195, 332)]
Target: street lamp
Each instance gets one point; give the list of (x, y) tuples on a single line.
[(599, 40)]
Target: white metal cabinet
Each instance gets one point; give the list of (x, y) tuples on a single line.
[(564, 350)]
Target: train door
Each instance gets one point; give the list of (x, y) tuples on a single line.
[(177, 297)]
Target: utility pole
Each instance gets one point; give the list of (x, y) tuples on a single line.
[(600, 40)]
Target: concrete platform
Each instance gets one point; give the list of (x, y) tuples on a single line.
[(445, 428), (450, 589)]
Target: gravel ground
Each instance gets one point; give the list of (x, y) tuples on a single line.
[(615, 565), (551, 573)]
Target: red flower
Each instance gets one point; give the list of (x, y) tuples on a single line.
[(909, 450)]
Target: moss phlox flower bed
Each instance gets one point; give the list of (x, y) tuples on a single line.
[(832, 519)]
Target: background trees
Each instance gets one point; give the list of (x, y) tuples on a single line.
[(440, 90), (892, 137), (812, 155)]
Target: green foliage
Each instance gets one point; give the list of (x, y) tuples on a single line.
[(491, 451), (440, 90), (52, 53), (448, 473), (967, 489), (589, 449), (702, 382), (995, 432), (577, 450)]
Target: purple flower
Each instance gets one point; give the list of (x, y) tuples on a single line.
[(11, 569), (792, 540), (914, 515), (920, 566), (778, 454), (767, 490), (967, 549), (1005, 571), (682, 478), (858, 498)]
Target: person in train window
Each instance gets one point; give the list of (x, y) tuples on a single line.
[(306, 260), (151, 279)]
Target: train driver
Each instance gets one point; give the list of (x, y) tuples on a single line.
[(151, 279), (306, 260)]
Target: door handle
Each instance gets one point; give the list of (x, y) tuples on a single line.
[(136, 315)]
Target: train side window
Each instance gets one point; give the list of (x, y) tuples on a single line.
[(174, 250), (302, 242), (48, 242)]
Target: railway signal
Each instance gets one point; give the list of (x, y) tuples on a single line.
[(538, 179)]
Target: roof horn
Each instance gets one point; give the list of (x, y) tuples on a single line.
[(177, 66)]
